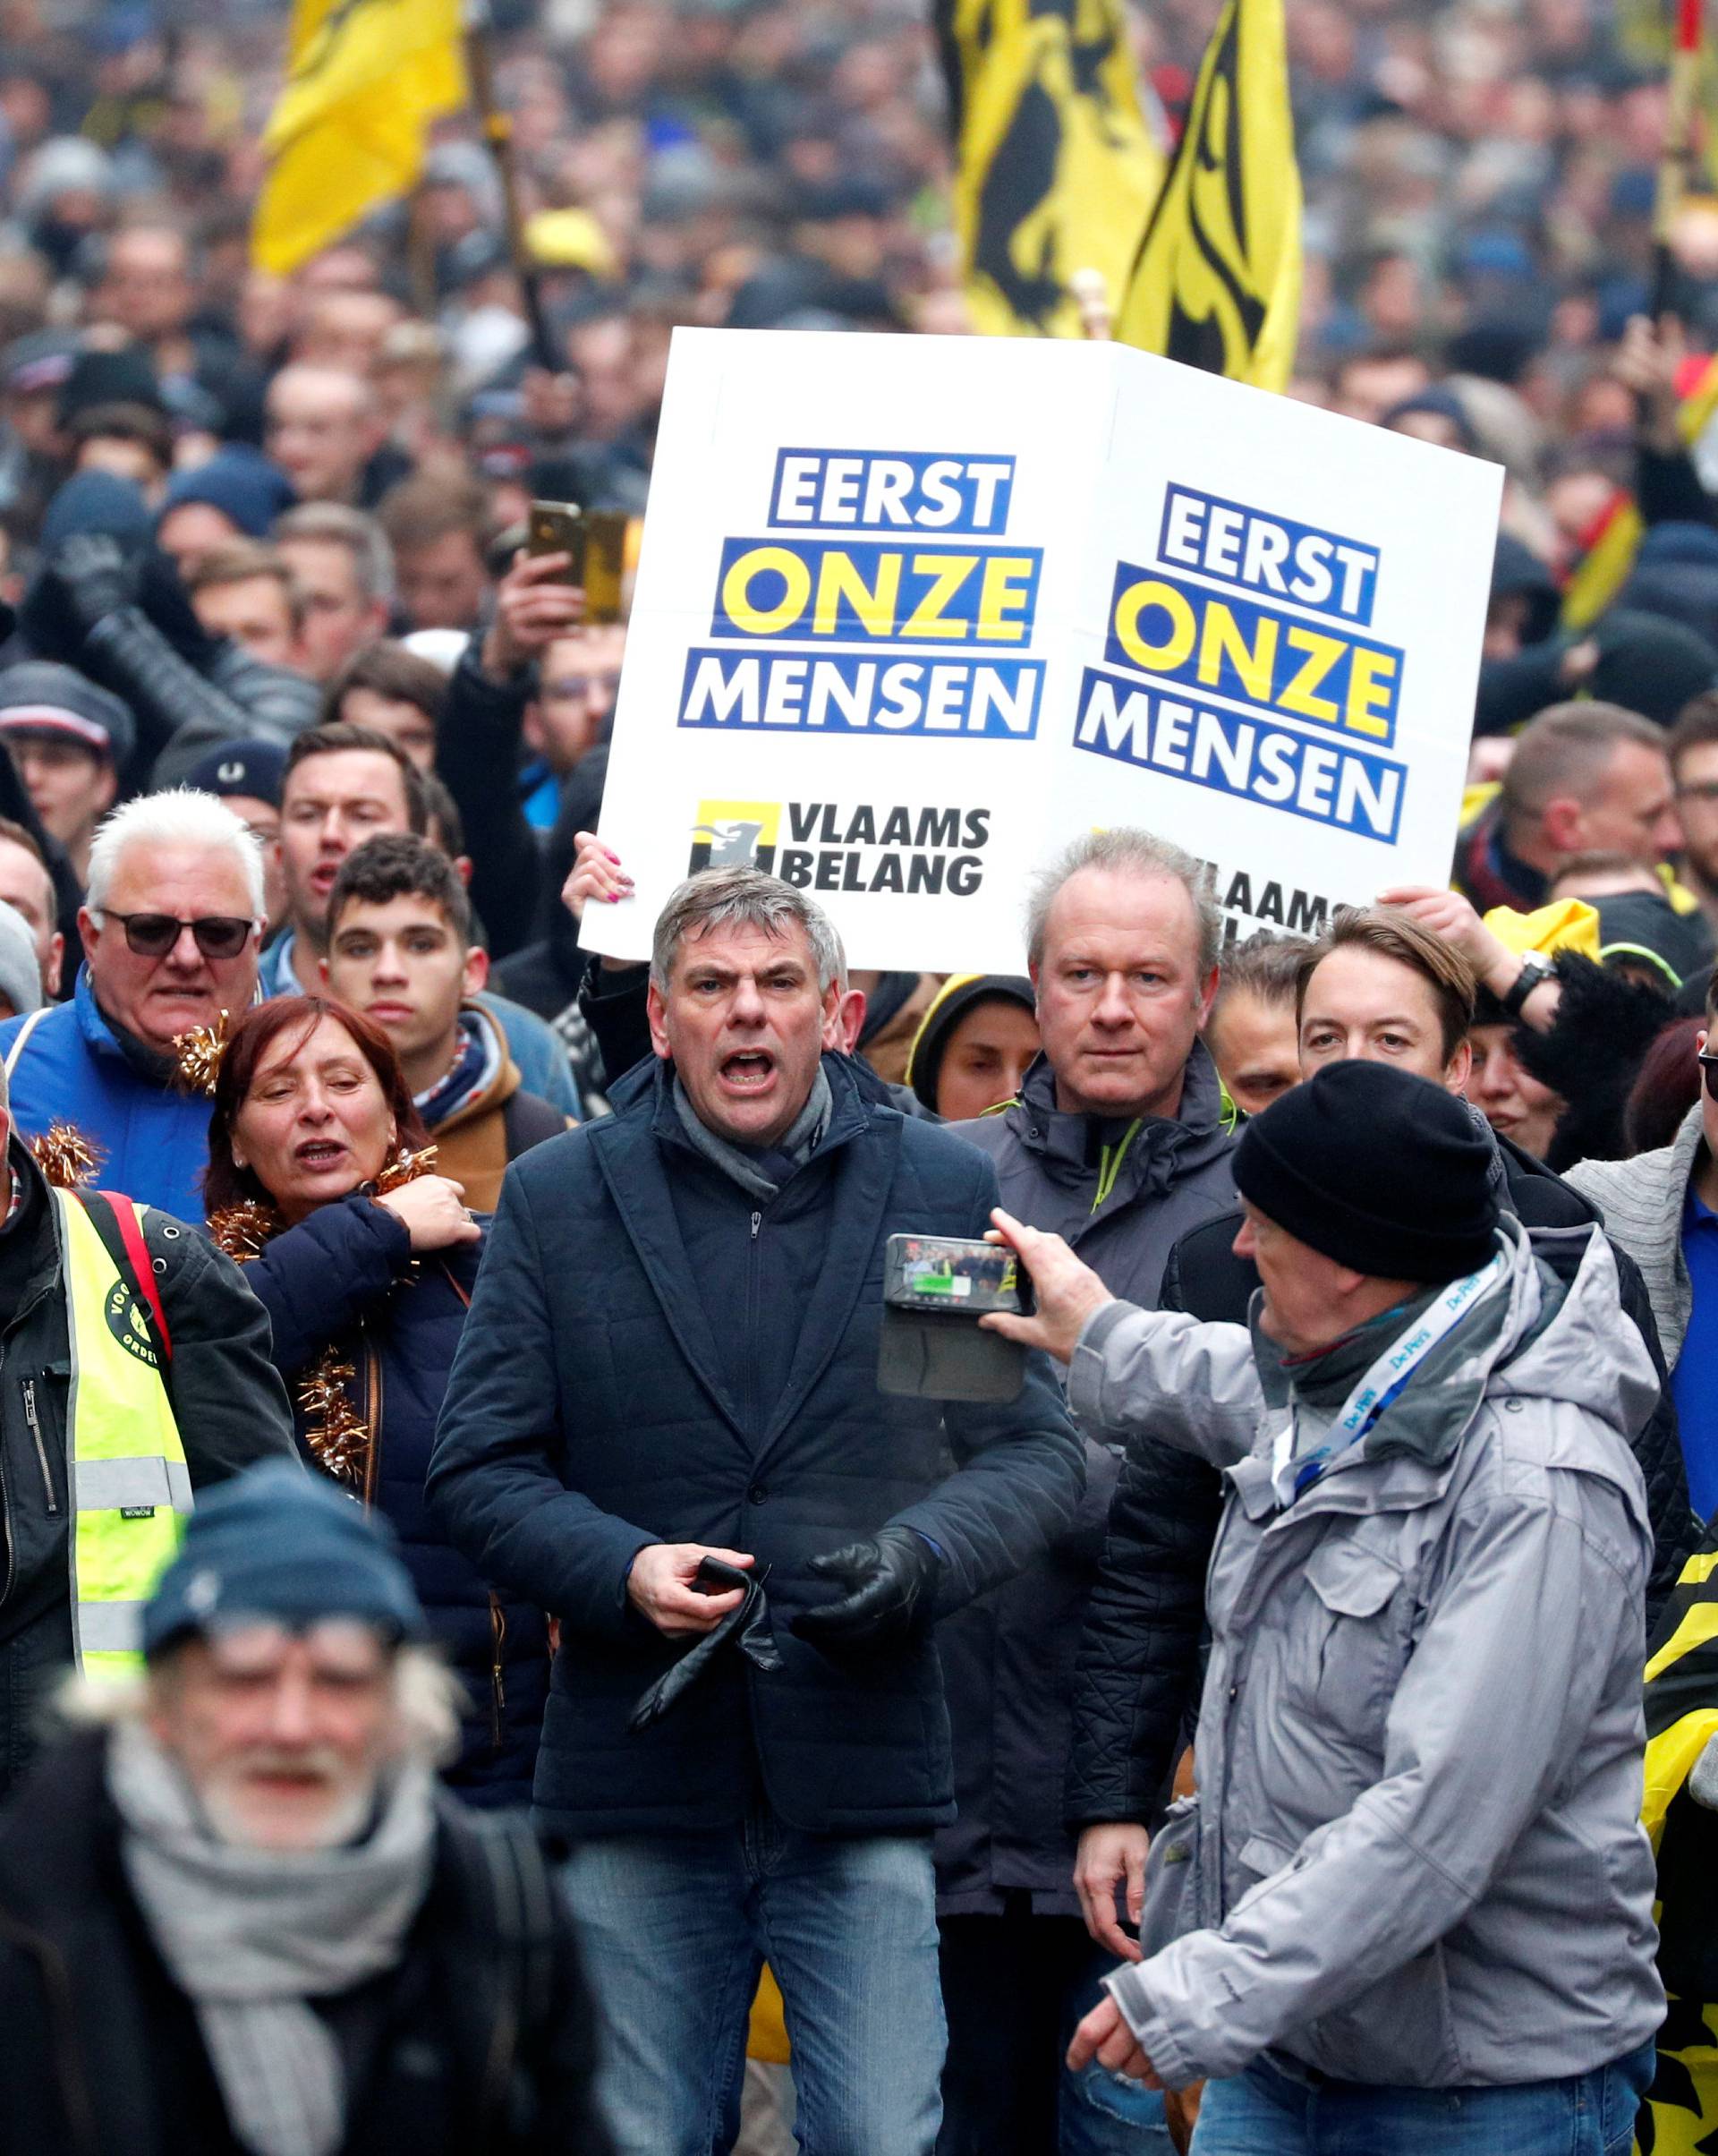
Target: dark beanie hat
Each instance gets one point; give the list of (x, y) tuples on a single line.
[(242, 483), (280, 1543), (1385, 1173), (109, 378), (253, 768)]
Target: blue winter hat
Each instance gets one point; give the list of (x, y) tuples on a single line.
[(253, 768), (284, 1544), (241, 483)]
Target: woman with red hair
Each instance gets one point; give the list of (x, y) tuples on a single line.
[(364, 1258)]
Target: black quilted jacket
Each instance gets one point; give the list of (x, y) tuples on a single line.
[(1137, 1679), (1009, 1658)]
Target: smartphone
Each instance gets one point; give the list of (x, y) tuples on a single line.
[(559, 527), (949, 1273), (605, 566)]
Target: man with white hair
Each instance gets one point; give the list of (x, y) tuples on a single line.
[(237, 1913), (170, 927)]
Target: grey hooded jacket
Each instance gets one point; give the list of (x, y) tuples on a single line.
[(1420, 1859)]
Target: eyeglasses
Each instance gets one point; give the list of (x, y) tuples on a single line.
[(582, 684), (152, 935), (1707, 1060)]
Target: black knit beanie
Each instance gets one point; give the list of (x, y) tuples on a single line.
[(1385, 1173)]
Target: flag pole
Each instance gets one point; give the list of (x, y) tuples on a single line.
[(498, 134), (1091, 296), (1676, 160)]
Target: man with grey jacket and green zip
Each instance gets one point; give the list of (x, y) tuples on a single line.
[(1412, 1908)]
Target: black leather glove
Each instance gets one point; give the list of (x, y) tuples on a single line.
[(747, 1624), (96, 575), (890, 1581)]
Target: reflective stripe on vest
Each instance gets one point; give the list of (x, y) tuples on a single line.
[(126, 1471)]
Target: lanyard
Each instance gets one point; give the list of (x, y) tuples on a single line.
[(1384, 1383)]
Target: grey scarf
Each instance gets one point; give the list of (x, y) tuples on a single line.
[(797, 1144), (251, 1935)]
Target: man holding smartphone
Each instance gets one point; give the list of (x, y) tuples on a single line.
[(673, 1357)]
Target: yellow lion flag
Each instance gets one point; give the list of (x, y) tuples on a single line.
[(364, 79), (1056, 169), (1680, 2116), (1217, 282)]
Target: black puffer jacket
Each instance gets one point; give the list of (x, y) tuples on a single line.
[(1137, 1682), (626, 1377), (345, 1275), (1009, 1659)]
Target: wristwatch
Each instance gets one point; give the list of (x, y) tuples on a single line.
[(1534, 968)]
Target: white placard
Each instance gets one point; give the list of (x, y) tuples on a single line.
[(912, 612)]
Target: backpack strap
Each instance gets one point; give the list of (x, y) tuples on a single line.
[(117, 1222), (24, 1032), (510, 1919)]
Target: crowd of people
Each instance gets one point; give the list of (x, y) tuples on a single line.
[(488, 1666)]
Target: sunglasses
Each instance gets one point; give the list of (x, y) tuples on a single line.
[(152, 935), (1707, 1059)]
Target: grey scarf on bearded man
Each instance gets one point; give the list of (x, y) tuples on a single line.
[(250, 1935)]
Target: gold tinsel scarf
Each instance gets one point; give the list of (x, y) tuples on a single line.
[(338, 1435)]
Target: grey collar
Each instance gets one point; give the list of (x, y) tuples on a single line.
[(799, 1142)]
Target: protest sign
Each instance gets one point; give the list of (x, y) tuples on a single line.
[(913, 612)]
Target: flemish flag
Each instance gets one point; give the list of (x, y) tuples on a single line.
[(1681, 2115), (1217, 283), (1609, 547), (1056, 168), (364, 79)]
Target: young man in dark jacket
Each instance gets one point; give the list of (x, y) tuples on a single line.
[(671, 1361), (1117, 1143), (240, 1920), (402, 949)]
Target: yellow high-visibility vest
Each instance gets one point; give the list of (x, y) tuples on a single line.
[(130, 1488)]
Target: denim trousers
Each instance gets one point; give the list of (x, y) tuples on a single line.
[(1014, 1987), (1268, 2111), (673, 1930)]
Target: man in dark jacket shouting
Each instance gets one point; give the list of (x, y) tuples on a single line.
[(672, 1359)]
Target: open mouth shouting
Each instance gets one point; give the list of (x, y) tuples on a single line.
[(747, 1073)]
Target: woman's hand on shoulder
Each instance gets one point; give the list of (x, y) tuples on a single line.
[(432, 1211)]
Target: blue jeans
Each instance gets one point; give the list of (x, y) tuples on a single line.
[(1266, 2112), (1014, 1985), (1106, 2114), (673, 1930)]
